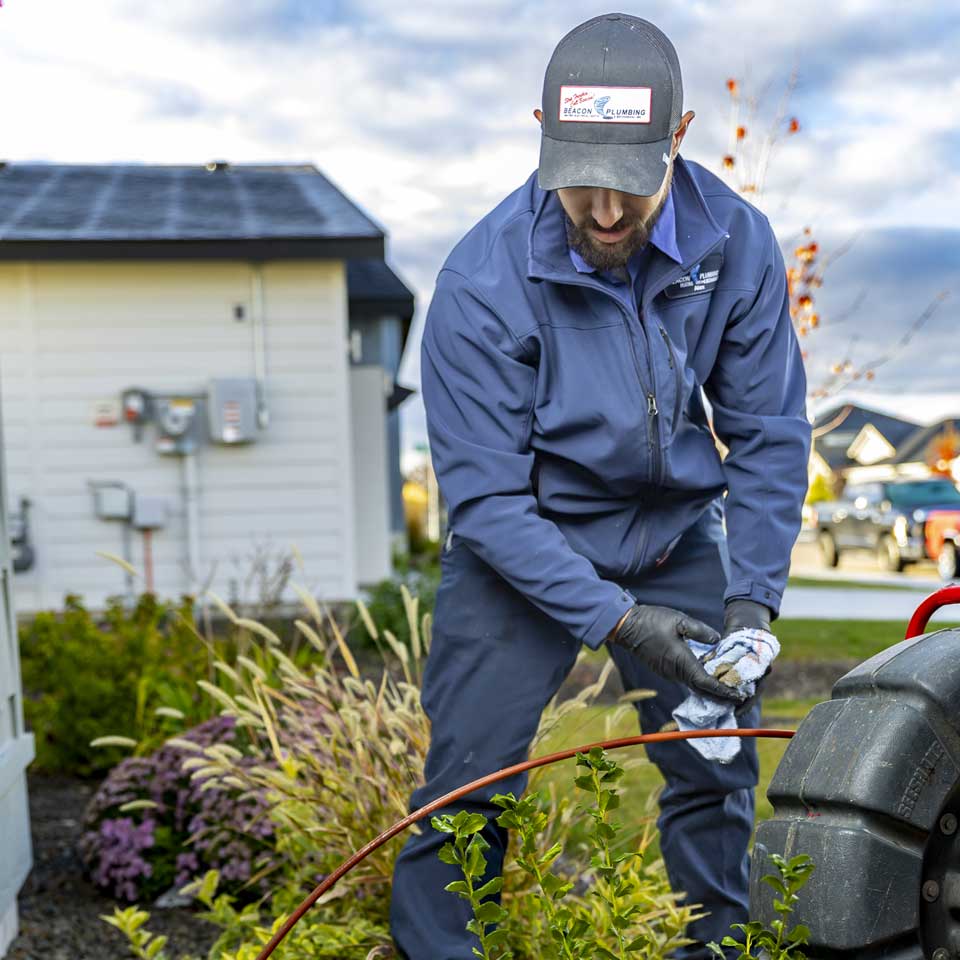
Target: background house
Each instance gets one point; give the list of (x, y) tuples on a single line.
[(849, 435), (927, 450), (854, 444), (199, 364)]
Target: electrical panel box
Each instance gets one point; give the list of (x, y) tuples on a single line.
[(178, 424), (149, 513), (233, 410), (112, 503)]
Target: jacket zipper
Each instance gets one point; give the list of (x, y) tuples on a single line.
[(653, 411), (648, 392), (675, 367)]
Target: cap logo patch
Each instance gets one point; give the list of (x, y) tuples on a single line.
[(601, 104)]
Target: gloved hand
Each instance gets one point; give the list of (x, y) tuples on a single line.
[(658, 636), (742, 614)]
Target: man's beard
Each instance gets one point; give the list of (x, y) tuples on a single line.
[(610, 256)]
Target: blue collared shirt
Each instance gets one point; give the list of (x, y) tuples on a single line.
[(663, 237)]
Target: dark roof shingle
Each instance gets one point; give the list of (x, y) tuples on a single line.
[(66, 206), (376, 290)]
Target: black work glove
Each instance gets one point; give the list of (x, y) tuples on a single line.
[(742, 614), (658, 636)]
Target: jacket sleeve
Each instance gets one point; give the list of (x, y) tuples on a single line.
[(478, 386), (758, 392)]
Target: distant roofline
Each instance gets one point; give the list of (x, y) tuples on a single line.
[(830, 412)]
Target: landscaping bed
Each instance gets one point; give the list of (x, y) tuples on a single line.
[(59, 909)]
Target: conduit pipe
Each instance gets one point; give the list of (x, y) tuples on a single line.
[(454, 795)]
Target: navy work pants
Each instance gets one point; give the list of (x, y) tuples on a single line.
[(495, 662)]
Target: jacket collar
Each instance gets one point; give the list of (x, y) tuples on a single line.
[(697, 232)]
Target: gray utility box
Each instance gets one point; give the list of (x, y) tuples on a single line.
[(111, 502), (179, 424), (869, 788), (233, 410), (149, 513)]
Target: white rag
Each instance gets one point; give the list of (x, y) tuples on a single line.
[(748, 652)]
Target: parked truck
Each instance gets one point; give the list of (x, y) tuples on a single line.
[(900, 521)]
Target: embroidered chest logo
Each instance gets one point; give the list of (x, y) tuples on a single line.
[(702, 278)]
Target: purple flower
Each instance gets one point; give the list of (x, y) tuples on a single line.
[(139, 855)]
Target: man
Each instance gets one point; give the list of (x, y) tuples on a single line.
[(563, 357)]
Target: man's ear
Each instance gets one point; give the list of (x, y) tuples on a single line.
[(678, 134), (538, 113)]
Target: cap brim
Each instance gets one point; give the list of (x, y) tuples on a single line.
[(637, 168)]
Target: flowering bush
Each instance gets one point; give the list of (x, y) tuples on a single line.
[(149, 826)]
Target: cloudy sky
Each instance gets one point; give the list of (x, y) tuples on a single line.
[(421, 113)]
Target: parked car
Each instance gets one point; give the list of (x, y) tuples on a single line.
[(943, 541), (900, 521)]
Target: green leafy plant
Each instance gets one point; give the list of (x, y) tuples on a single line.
[(778, 942), (243, 935), (467, 852), (629, 909)]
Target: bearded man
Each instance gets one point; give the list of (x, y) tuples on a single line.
[(572, 337)]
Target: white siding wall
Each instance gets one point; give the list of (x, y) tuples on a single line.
[(75, 333), (16, 749), (368, 387)]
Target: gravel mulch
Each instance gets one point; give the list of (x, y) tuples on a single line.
[(60, 910)]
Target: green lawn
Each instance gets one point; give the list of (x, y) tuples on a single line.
[(806, 640), (854, 584)]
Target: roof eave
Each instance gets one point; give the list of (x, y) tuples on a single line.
[(272, 248), (364, 308)]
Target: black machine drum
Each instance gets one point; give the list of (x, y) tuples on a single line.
[(870, 789)]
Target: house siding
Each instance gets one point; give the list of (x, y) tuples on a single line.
[(74, 333), (16, 746)]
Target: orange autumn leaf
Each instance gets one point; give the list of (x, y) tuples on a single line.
[(741, 132), (728, 162), (794, 125), (732, 85)]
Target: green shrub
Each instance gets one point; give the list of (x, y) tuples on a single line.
[(420, 575), (628, 908), (85, 677), (134, 671)]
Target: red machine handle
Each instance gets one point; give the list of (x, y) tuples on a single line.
[(928, 606)]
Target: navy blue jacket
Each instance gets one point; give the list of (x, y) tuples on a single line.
[(567, 429)]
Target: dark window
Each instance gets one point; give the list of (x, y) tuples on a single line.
[(923, 493)]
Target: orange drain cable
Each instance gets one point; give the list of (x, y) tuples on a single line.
[(449, 798)]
